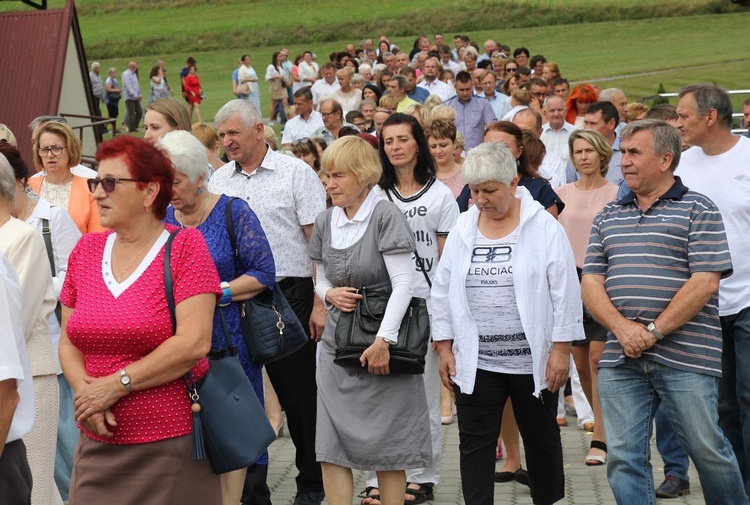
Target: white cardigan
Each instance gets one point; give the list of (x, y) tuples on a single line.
[(548, 293)]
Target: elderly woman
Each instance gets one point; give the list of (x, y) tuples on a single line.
[(60, 235), (364, 240), (505, 306), (57, 150), (430, 208), (590, 154), (25, 249), (118, 348), (163, 116), (193, 206)]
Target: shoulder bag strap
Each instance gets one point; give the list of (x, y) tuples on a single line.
[(417, 257), (47, 235)]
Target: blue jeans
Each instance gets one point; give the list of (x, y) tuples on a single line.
[(734, 388), (675, 458), (629, 395), (67, 437)]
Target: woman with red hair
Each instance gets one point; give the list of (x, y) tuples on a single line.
[(579, 99), (118, 347)]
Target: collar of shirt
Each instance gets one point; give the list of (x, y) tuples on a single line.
[(565, 127), (268, 163), (675, 192), (339, 215)]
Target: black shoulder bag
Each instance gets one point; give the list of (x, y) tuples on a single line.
[(269, 325), (357, 330), (229, 423)]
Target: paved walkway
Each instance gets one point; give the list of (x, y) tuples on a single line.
[(584, 485)]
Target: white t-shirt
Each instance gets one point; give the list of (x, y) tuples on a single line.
[(14, 359), (503, 347), (321, 89), (725, 179), (431, 213)]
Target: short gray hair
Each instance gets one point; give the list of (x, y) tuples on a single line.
[(710, 96), (38, 121), (365, 66), (96, 64), (187, 154), (666, 137), (609, 94), (7, 180), (401, 80), (491, 161), (246, 111), (7, 135)]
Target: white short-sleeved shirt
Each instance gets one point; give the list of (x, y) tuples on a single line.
[(431, 212), (286, 195), (297, 128), (14, 359), (321, 89)]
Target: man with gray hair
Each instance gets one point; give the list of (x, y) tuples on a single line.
[(717, 165), (651, 277), (97, 89), (616, 97), (287, 196)]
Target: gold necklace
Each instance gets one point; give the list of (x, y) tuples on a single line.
[(148, 244), (208, 201)]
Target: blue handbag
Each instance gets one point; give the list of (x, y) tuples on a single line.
[(230, 426)]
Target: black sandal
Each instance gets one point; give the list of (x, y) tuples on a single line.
[(597, 460), (422, 494), (366, 494)]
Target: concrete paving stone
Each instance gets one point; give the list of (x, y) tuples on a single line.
[(584, 485)]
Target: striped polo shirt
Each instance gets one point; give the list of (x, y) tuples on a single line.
[(646, 258)]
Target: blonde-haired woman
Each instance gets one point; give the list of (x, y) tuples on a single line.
[(590, 154), (163, 116), (370, 232), (57, 149)]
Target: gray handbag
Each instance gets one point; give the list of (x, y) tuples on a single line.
[(229, 423)]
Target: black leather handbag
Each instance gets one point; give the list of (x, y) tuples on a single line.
[(230, 426), (357, 330), (269, 325)]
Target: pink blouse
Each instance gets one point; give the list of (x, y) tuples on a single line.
[(581, 207), (115, 331)]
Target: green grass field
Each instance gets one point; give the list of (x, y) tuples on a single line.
[(696, 40)]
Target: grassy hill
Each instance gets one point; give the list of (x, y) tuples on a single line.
[(632, 44)]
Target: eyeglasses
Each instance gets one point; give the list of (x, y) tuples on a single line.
[(328, 114), (108, 183), (55, 150)]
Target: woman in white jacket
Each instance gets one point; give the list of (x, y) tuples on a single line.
[(505, 307)]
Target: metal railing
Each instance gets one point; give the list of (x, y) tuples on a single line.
[(96, 122), (730, 92)]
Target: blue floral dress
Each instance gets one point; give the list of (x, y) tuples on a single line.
[(257, 261)]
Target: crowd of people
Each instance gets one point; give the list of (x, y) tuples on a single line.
[(558, 235)]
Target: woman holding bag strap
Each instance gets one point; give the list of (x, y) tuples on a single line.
[(193, 206), (118, 348)]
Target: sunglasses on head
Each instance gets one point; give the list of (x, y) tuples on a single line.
[(297, 142), (108, 183)]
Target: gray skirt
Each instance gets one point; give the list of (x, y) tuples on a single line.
[(369, 422), (155, 473)]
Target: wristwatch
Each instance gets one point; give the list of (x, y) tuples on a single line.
[(125, 380), (652, 328), (388, 340)]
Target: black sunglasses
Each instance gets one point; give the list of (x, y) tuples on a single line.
[(108, 183)]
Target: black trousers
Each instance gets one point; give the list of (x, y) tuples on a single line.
[(15, 475), (293, 378), (135, 113), (479, 418)]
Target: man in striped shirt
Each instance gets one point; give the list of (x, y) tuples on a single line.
[(651, 277)]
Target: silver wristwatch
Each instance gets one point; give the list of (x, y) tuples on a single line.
[(388, 340), (652, 329), (125, 380)]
